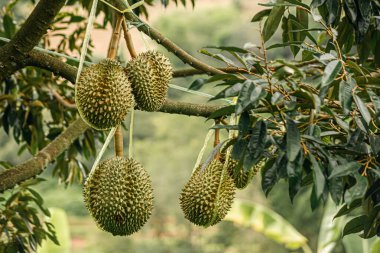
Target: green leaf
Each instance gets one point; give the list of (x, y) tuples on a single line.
[(330, 230), (267, 222), (244, 97), (9, 26), (345, 95), (260, 15), (331, 71), (293, 140), (197, 84), (347, 208), (319, 178), (363, 109), (230, 49), (355, 225), (358, 190), (269, 176), (273, 21), (345, 169), (317, 3), (375, 99), (224, 111)]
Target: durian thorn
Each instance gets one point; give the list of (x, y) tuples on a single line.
[(115, 38), (128, 39)]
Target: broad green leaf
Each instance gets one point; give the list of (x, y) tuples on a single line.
[(62, 229), (319, 178), (375, 99), (330, 229), (230, 49), (345, 169), (355, 244), (269, 176), (363, 109), (293, 140), (355, 225), (267, 222), (375, 247), (358, 190), (331, 71), (197, 84), (260, 15), (244, 97), (317, 3), (224, 111), (273, 21), (345, 95), (346, 209)]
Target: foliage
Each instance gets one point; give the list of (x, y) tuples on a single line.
[(313, 120), (22, 229), (266, 221)]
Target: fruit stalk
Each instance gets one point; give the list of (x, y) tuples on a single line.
[(112, 52)]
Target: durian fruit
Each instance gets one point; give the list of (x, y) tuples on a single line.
[(240, 177), (119, 195), (103, 94), (150, 73), (208, 195)]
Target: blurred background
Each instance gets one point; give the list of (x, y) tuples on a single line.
[(168, 146)]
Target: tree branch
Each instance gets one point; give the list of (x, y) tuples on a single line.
[(168, 44), (14, 53), (192, 72), (34, 166)]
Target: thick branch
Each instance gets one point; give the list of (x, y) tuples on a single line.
[(34, 166), (192, 72), (188, 109), (168, 44), (13, 53)]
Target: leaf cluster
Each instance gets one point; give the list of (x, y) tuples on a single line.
[(314, 119)]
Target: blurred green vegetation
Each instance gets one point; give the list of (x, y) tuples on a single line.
[(168, 145)]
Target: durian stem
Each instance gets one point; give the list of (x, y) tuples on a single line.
[(217, 139), (112, 52), (203, 149), (118, 142), (130, 148), (128, 39), (115, 39)]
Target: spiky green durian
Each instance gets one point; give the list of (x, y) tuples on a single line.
[(208, 195), (103, 94), (240, 177), (150, 73), (119, 195)]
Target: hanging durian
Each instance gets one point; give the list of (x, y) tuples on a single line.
[(150, 73), (236, 171), (119, 195), (103, 94), (208, 195)]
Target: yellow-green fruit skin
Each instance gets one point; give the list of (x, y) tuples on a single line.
[(119, 195), (240, 177), (103, 94), (150, 73), (207, 197)]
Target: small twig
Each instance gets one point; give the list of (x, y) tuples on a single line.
[(115, 39), (112, 52), (61, 99), (217, 139), (128, 39)]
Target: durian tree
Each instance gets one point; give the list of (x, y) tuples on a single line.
[(311, 120)]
